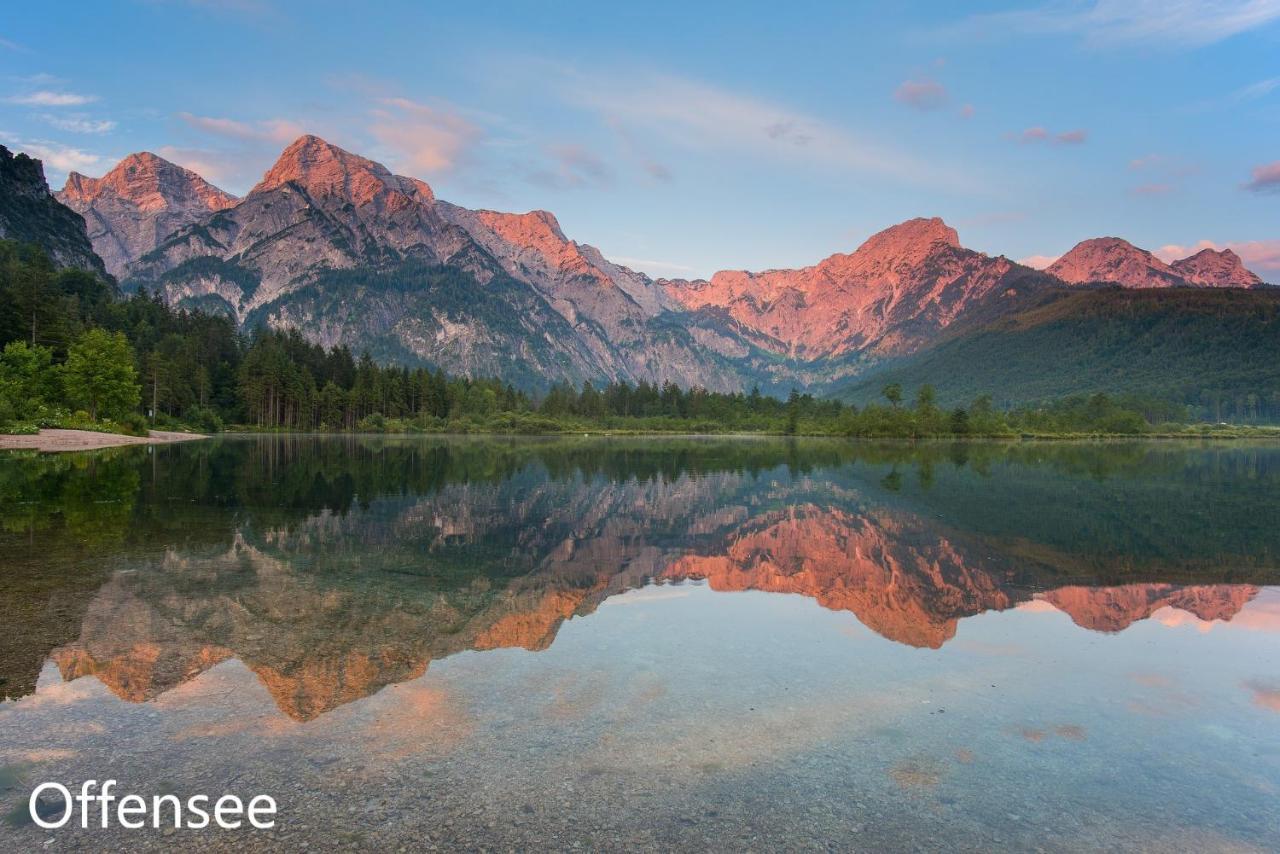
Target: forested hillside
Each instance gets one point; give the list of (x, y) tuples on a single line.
[(1216, 351)]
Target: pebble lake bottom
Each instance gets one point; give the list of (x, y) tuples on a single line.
[(650, 644)]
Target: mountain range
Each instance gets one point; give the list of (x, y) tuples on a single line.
[(339, 247)]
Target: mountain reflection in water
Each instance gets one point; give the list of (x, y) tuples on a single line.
[(334, 567)]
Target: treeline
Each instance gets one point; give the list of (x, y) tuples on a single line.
[(76, 353), (1215, 350)]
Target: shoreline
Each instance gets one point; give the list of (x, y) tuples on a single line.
[(60, 441)]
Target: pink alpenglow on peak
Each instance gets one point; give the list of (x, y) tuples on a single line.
[(1216, 269), (1110, 259), (142, 200), (151, 183), (324, 169), (899, 287)]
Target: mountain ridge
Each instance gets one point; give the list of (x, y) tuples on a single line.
[(340, 247)]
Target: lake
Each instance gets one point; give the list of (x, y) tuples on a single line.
[(605, 644)]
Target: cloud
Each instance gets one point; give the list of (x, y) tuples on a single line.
[(632, 149), (1265, 694), (696, 115), (79, 123), (1261, 256), (967, 111), (47, 98), (1266, 178), (573, 166), (55, 155), (1039, 133), (230, 170), (9, 44), (423, 138), (1254, 91), (1153, 189), (1123, 23), (922, 93), (268, 130), (655, 268), (1038, 262)]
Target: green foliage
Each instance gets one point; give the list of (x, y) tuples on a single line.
[(1213, 351), (100, 375), (108, 356)]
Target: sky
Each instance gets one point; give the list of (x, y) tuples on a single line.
[(684, 138)]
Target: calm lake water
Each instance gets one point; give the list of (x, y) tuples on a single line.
[(662, 644)]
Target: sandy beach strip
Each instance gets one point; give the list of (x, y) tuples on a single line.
[(88, 440)]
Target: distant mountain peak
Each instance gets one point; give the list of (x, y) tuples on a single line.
[(149, 182), (1113, 259), (324, 169), (1216, 268)]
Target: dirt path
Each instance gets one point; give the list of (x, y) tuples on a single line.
[(88, 440)]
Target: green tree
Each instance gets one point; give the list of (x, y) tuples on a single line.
[(28, 379), (893, 393), (100, 375)]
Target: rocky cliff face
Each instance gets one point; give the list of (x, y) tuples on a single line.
[(1216, 269), (137, 204), (341, 248), (337, 246), (1110, 259), (1113, 609), (29, 213), (892, 294)]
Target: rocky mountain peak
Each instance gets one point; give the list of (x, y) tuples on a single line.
[(1216, 269), (900, 247), (29, 213), (919, 235), (1111, 259), (323, 169), (151, 183)]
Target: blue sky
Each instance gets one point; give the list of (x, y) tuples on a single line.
[(683, 138)]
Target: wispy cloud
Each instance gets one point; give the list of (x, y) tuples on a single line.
[(79, 124), (573, 166), (692, 114), (1038, 262), (1266, 178), (635, 152), (56, 156), (268, 130), (9, 44), (48, 98), (423, 138), (657, 268), (1153, 189), (922, 93), (1039, 133), (1254, 91), (1123, 23), (226, 169)]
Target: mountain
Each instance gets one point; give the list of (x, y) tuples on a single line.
[(1110, 259), (336, 245), (29, 213), (339, 247), (1216, 269), (137, 204), (891, 295), (1211, 348)]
